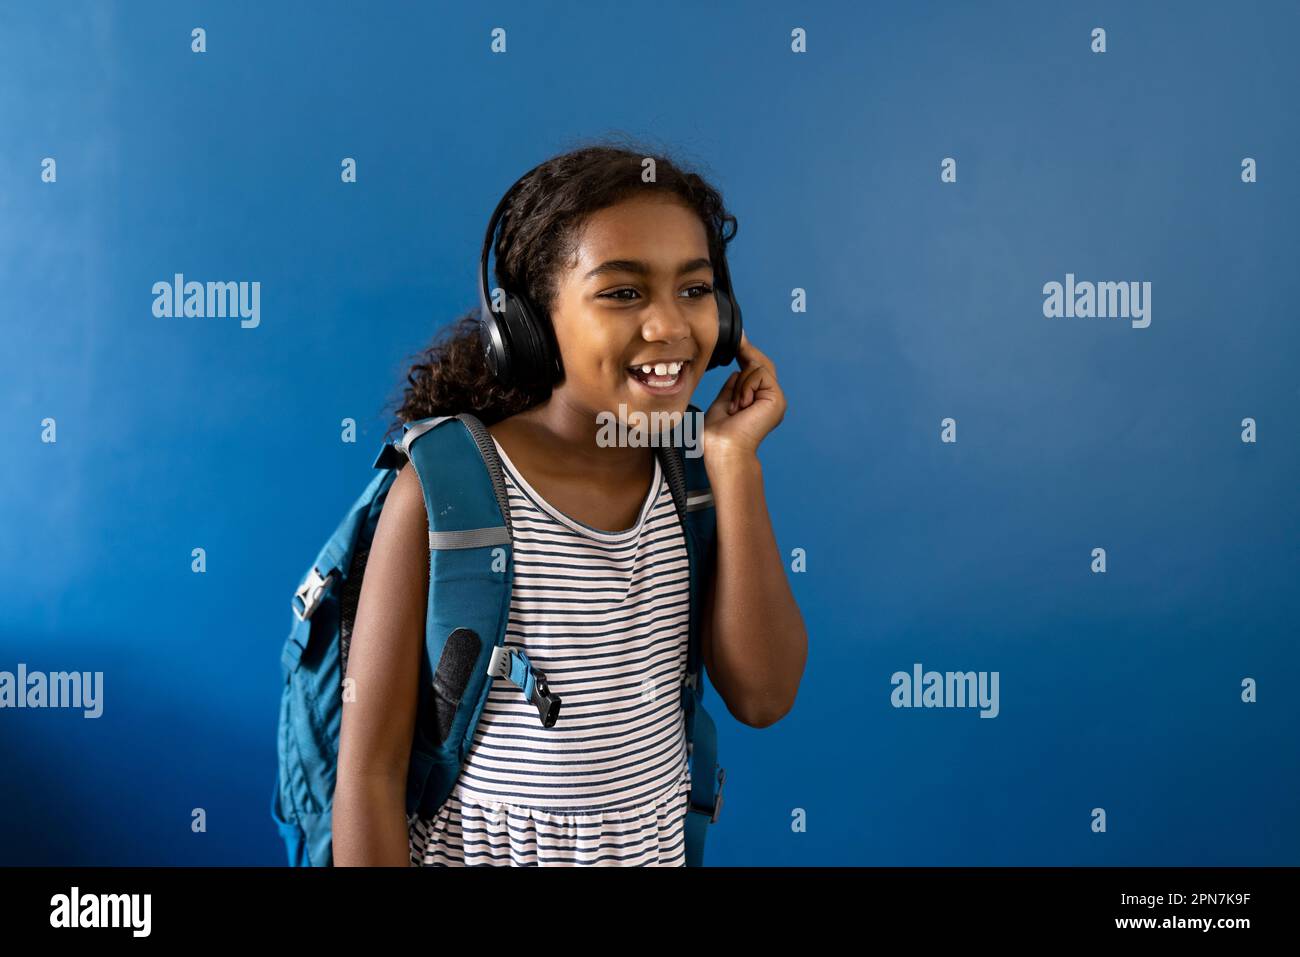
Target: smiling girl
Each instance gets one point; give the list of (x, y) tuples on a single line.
[(624, 270)]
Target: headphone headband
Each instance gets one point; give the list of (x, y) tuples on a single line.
[(485, 304)]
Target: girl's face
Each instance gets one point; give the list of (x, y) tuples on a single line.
[(639, 292)]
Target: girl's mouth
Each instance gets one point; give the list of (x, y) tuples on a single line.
[(662, 378)]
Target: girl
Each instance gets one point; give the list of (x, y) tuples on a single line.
[(623, 269)]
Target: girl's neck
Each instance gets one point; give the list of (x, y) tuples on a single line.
[(562, 438)]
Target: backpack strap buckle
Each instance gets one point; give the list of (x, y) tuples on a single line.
[(717, 795), (717, 801), (310, 593), (513, 665), (547, 704)]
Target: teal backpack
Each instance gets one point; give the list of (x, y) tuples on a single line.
[(469, 603)]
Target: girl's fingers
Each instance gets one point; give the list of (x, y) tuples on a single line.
[(751, 355), (737, 390), (729, 387), (752, 380), (728, 391)]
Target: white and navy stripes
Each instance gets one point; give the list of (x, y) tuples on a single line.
[(604, 615)]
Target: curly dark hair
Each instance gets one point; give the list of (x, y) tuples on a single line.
[(538, 233)]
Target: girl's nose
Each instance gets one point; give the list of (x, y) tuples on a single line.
[(665, 324)]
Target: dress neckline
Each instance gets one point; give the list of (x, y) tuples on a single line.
[(573, 524)]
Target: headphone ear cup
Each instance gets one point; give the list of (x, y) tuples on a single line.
[(535, 360), (724, 351), (495, 339)]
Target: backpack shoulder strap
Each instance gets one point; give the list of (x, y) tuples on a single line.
[(464, 453), (688, 481), (471, 574), (469, 595), (693, 497)]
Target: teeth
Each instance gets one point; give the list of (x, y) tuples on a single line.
[(663, 368)]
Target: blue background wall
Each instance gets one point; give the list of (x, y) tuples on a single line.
[(1119, 691)]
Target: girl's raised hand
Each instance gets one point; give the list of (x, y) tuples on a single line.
[(749, 405)]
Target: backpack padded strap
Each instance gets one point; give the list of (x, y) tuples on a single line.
[(699, 523), (470, 580), (706, 776)]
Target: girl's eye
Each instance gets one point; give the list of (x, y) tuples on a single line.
[(703, 291)]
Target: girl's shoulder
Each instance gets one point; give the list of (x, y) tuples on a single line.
[(516, 444)]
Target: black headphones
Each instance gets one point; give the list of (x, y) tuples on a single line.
[(519, 344)]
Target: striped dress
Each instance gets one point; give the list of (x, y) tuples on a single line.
[(605, 616)]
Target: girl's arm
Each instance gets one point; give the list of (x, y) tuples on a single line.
[(753, 639), (369, 822)]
